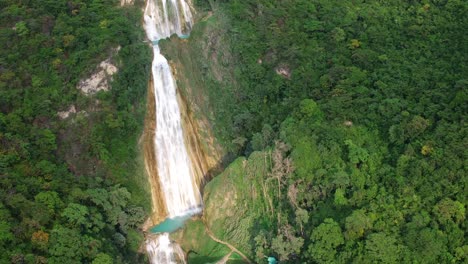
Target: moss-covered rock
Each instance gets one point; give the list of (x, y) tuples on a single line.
[(237, 205), (238, 201), (197, 244)]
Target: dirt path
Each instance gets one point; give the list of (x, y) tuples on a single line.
[(225, 258), (233, 249)]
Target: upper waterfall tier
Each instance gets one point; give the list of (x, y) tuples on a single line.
[(166, 17)]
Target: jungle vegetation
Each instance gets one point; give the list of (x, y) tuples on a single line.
[(361, 106), (69, 189)]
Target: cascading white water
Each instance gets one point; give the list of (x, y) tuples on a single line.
[(162, 19), (174, 169), (162, 250), (166, 17)]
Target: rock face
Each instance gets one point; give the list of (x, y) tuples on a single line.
[(284, 71), (66, 114), (203, 151), (126, 2), (99, 81), (159, 210)]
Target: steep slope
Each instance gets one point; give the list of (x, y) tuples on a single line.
[(71, 185), (365, 103)]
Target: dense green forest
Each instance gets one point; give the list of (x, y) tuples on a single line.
[(69, 189), (359, 106), (351, 115)]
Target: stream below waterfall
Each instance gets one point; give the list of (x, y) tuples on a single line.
[(180, 191)]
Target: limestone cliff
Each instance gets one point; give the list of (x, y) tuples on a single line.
[(203, 149)]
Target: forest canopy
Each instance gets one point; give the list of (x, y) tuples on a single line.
[(363, 104), (358, 107), (68, 191)]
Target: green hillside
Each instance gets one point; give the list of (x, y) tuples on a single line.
[(344, 123), (70, 189), (358, 110)]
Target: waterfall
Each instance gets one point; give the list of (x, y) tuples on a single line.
[(173, 163), (162, 18), (166, 17), (161, 250)]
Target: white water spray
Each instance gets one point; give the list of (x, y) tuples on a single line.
[(162, 250), (180, 191)]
